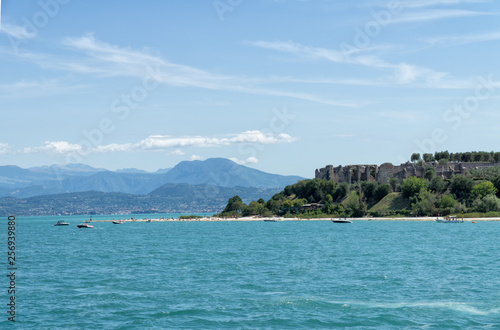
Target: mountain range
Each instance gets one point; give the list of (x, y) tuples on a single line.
[(190, 186), (57, 179)]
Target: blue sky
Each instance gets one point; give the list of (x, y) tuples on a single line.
[(284, 86)]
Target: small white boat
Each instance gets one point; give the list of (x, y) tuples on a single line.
[(61, 223), (341, 220), (117, 222), (84, 225), (450, 219), (270, 220)]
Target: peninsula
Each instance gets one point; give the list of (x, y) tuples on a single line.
[(438, 184)]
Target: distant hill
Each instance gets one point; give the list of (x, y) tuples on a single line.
[(171, 197), (226, 173), (58, 179)]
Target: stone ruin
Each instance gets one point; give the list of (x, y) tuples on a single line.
[(386, 171)]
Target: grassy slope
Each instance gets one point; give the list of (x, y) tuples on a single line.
[(393, 201)]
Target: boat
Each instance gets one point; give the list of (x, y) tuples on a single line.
[(270, 220), (84, 225), (450, 219), (61, 223), (341, 220), (117, 222)]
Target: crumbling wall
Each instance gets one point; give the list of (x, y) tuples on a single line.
[(387, 171)]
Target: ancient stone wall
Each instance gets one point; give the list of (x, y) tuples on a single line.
[(387, 171)]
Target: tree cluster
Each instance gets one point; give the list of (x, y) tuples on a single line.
[(339, 199), (432, 195), (466, 157), (428, 196)]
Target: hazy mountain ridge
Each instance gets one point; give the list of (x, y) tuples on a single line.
[(57, 179)]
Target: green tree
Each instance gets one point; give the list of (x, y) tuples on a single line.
[(490, 203), (461, 186), (446, 202), (394, 183), (423, 203), (368, 188), (299, 202), (274, 205), (287, 204), (254, 208), (415, 157), (413, 186), (234, 204), (443, 162), (428, 158), (496, 182), (430, 173), (438, 185), (381, 191), (328, 207), (341, 191), (483, 189)]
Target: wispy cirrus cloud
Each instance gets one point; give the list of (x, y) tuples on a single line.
[(16, 31), (402, 73), (434, 3), (34, 88), (165, 142), (105, 60), (457, 40), (436, 14)]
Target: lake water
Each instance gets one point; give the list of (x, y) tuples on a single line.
[(286, 275)]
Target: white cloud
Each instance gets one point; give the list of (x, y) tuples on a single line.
[(195, 157), (16, 31), (446, 41), (433, 3), (165, 142), (107, 60), (431, 15), (162, 142), (4, 148), (249, 160), (403, 73), (58, 147)]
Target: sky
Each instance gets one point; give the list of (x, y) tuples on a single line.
[(283, 86)]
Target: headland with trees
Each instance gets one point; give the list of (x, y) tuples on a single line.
[(475, 194)]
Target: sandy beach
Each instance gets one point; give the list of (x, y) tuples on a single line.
[(254, 218)]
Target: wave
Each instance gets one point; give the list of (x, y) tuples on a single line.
[(449, 305)]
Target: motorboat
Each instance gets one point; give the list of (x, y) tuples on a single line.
[(341, 220), (61, 223), (84, 225), (270, 220), (117, 222), (450, 219)]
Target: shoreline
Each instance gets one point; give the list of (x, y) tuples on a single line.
[(277, 219)]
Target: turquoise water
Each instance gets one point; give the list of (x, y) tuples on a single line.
[(293, 274)]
